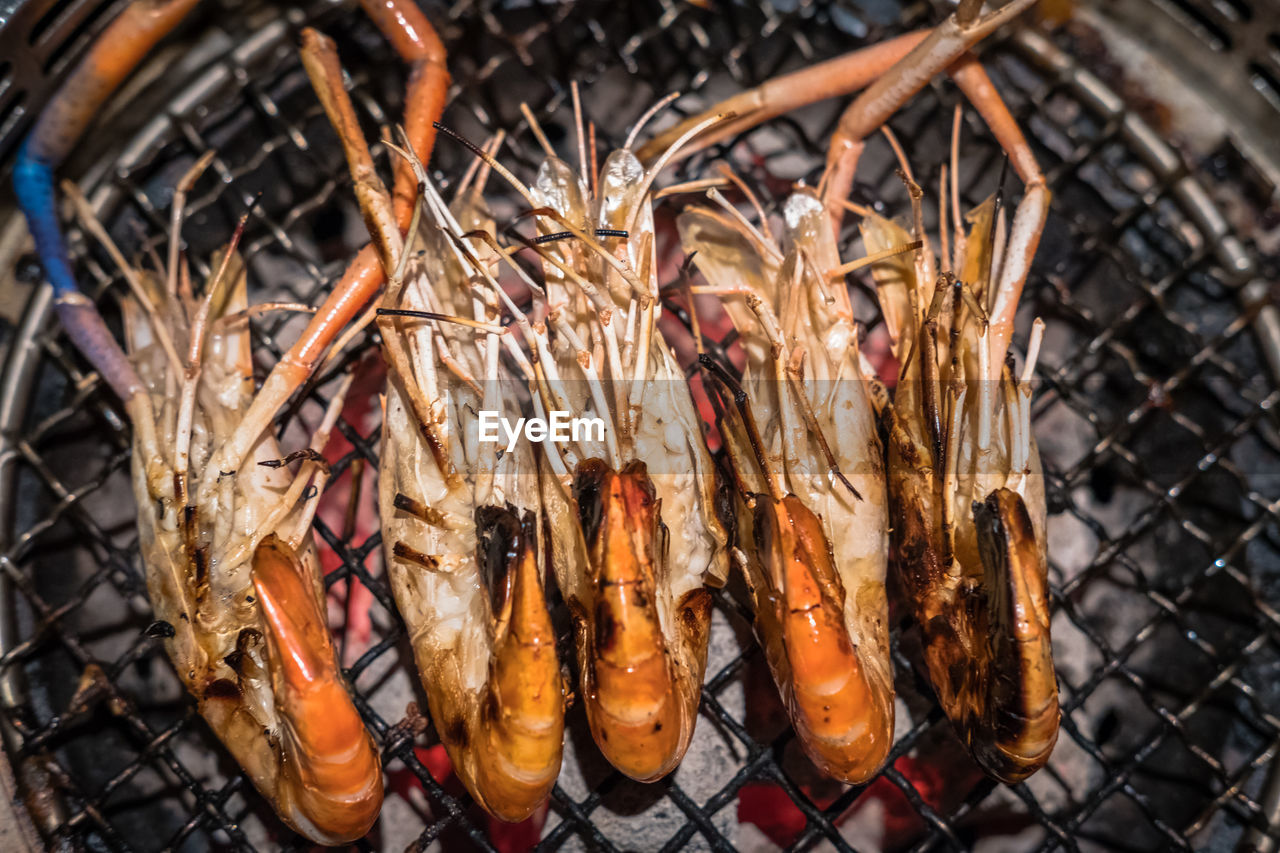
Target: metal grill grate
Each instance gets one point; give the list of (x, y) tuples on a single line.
[(1155, 416)]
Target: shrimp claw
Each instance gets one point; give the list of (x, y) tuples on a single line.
[(125, 41)]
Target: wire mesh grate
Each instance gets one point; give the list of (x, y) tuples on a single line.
[(1153, 411)]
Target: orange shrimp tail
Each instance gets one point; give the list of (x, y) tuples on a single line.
[(843, 720), (522, 713), (330, 760), (630, 690), (1019, 724)]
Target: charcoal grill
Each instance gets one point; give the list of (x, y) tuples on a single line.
[(1158, 125)]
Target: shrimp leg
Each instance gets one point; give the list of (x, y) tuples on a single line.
[(944, 45)]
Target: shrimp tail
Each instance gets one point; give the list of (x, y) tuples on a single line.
[(631, 699), (522, 712), (331, 778), (1021, 708), (842, 718)]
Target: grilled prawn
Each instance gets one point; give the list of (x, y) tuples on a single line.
[(226, 544), (633, 531), (229, 559), (966, 495), (461, 519), (813, 532), (965, 483), (463, 525)]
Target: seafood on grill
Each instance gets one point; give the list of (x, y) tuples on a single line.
[(966, 488), (226, 541), (462, 521), (965, 491), (812, 532), (230, 563), (633, 531), (464, 533)]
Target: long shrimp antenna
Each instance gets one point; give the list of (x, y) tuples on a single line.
[(694, 186), (956, 126), (743, 403), (874, 258), (577, 123), (738, 182), (536, 128), (490, 160), (764, 243), (898, 152), (443, 318), (686, 279), (647, 116), (184, 186), (1033, 352), (480, 166), (651, 174), (988, 292), (944, 239), (591, 133)]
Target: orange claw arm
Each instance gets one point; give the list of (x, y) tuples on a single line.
[(844, 722), (872, 108), (331, 771), (839, 76), (360, 282), (404, 26), (57, 130), (413, 37), (418, 44), (112, 58)]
